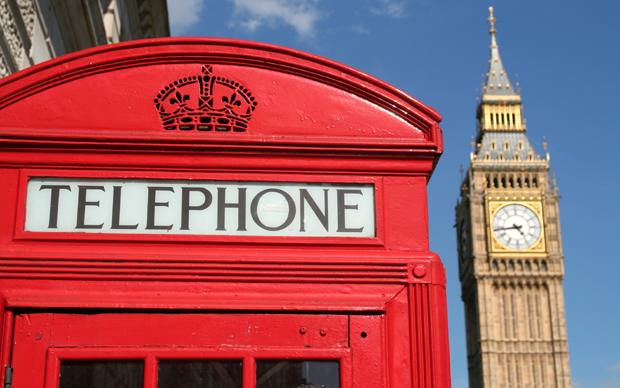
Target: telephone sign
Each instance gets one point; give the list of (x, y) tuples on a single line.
[(200, 207)]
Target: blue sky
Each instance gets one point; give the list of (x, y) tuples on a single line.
[(565, 54)]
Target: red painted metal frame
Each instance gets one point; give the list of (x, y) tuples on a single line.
[(90, 114)]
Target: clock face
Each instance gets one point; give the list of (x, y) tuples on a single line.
[(516, 226)]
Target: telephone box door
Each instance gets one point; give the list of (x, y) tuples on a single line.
[(196, 350)]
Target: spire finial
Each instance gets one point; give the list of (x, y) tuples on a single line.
[(497, 81), (491, 20)]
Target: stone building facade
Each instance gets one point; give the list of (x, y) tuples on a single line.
[(37, 30), (510, 249)]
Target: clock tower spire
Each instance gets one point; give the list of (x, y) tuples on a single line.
[(497, 82), (500, 108), (511, 263)]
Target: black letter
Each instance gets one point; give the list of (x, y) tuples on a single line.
[(150, 211), (54, 196), (185, 206), (116, 210), (82, 203), (341, 210), (289, 217), (222, 205), (322, 216)]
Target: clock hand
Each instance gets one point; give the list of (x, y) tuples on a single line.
[(514, 226), (518, 227), (505, 228)]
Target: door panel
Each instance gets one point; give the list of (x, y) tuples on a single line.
[(196, 350), (188, 329)]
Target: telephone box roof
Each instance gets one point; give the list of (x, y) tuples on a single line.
[(161, 93)]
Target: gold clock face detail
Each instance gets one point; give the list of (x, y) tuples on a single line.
[(516, 226)]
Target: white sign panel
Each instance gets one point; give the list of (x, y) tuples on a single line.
[(200, 207)]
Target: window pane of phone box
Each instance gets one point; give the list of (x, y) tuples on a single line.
[(200, 374), (102, 374), (297, 374)]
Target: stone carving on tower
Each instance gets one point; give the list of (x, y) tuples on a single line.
[(511, 263)]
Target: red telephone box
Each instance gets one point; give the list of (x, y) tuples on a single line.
[(216, 213)]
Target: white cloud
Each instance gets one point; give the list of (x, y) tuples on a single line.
[(360, 29), (184, 14), (301, 15), (392, 8)]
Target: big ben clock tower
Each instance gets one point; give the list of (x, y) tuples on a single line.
[(510, 249)]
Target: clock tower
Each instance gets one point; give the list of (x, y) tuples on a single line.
[(511, 263)]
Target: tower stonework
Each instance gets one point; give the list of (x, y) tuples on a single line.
[(511, 263)]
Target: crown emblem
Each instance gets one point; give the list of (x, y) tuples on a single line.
[(205, 103)]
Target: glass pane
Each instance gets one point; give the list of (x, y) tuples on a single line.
[(200, 374), (101, 374), (297, 374)]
